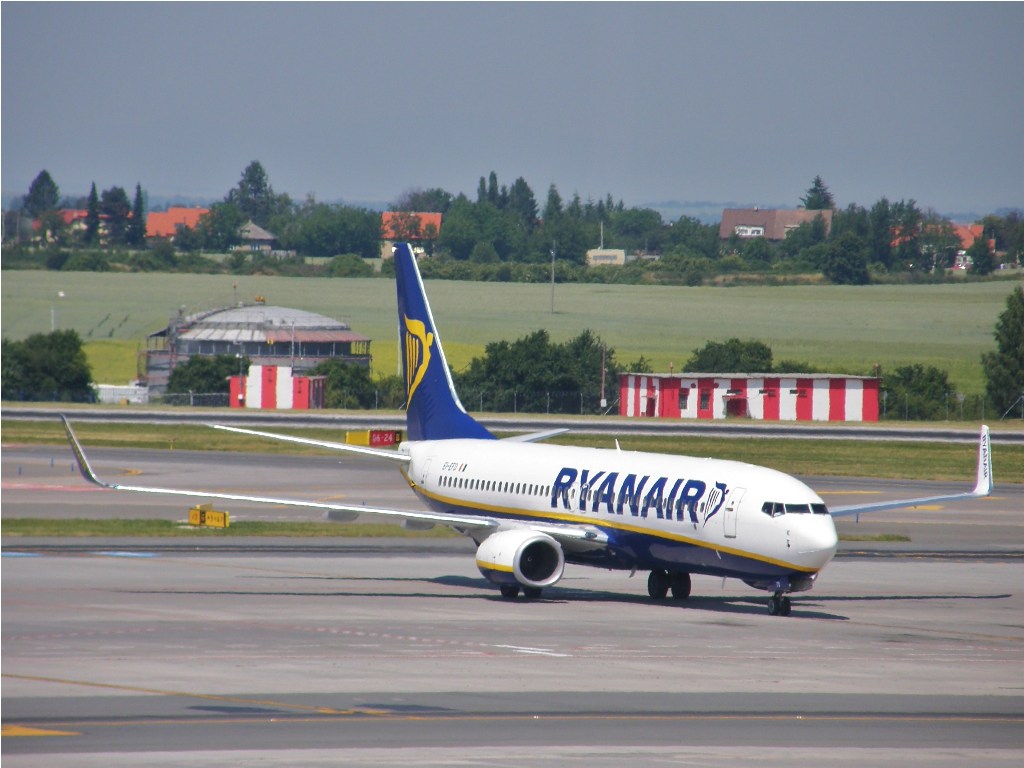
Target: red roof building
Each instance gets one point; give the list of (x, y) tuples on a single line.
[(769, 223), (407, 227), (166, 223)]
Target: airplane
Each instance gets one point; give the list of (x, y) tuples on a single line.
[(531, 508)]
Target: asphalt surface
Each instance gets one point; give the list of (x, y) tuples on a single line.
[(381, 652)]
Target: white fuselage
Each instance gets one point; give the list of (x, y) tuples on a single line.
[(657, 511)]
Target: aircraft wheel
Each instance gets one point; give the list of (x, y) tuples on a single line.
[(680, 586), (779, 605), (532, 593), (510, 591), (657, 585)]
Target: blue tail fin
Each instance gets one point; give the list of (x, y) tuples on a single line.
[(433, 410)]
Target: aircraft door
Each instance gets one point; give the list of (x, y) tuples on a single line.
[(732, 508), (425, 473)]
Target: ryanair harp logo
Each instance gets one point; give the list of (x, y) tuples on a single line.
[(418, 342)]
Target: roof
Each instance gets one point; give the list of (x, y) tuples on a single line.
[(253, 231), (401, 225), (686, 375), (166, 223), (776, 222), (968, 233), (264, 323), (68, 216)]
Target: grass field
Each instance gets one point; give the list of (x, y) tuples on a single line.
[(843, 329)]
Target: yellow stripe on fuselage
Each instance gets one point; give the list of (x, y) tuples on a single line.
[(558, 517)]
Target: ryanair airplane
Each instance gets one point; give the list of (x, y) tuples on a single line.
[(532, 508)]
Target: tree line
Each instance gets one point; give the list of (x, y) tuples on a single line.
[(506, 233)]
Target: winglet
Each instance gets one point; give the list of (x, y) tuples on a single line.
[(80, 458), (983, 486)]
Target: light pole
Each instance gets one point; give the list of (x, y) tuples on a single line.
[(554, 250), (53, 312)]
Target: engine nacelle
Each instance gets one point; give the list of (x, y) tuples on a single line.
[(521, 556)]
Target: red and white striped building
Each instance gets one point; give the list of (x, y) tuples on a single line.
[(768, 397), (275, 386)]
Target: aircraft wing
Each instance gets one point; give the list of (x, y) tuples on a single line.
[(533, 437), (982, 486), (337, 512), (380, 453)]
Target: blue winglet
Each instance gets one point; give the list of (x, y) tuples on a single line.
[(433, 409)]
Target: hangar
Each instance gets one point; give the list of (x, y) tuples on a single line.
[(266, 335), (761, 396)]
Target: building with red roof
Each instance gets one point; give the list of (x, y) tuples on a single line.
[(408, 227), (166, 223)]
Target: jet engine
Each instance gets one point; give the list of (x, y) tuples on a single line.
[(521, 557)]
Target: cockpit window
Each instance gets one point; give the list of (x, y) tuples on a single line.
[(773, 508), (798, 509), (819, 509)]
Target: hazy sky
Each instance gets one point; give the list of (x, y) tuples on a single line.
[(648, 102)]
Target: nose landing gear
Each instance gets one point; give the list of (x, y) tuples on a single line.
[(779, 605)]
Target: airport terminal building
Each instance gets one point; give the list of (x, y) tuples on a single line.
[(761, 396)]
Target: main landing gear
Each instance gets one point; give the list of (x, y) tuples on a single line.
[(660, 582), (779, 605)]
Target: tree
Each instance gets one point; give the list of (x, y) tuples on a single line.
[(522, 204), (917, 392), (732, 356), (907, 219), (1004, 368), (846, 261), (92, 218), (982, 260), (219, 229), (939, 241), (43, 195), (347, 385), (534, 375), (880, 223), (46, 367), (203, 374), (115, 206), (818, 198), (254, 196), (349, 265), (434, 200), (137, 224), (553, 206)]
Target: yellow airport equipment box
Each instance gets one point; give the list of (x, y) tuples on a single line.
[(205, 514), (376, 438)]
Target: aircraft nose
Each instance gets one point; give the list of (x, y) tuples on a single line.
[(816, 539)]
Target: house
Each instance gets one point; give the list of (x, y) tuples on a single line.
[(769, 223), (408, 227), (167, 223), (73, 220), (256, 238)]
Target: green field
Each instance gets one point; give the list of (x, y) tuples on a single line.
[(845, 329)]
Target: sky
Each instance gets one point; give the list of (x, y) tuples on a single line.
[(742, 103)]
